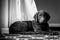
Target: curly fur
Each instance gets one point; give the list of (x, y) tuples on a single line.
[(44, 26)]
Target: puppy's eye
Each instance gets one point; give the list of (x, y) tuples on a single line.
[(40, 15)]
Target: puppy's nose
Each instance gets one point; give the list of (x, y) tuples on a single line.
[(41, 19)]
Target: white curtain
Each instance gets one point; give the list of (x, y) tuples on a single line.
[(22, 10)]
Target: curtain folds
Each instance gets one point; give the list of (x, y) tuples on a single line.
[(22, 10)]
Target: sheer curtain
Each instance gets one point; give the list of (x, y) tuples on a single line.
[(21, 10)]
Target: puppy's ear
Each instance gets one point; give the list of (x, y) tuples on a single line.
[(36, 17), (47, 16)]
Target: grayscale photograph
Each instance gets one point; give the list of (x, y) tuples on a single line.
[(29, 19)]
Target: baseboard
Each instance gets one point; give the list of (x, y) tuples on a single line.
[(4, 30), (54, 24)]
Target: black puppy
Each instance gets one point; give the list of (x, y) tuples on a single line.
[(41, 21), (21, 27), (39, 24)]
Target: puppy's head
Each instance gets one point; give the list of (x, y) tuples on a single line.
[(42, 16)]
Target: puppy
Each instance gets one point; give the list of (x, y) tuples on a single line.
[(39, 24), (21, 27), (41, 21)]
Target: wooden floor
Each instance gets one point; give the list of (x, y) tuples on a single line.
[(31, 37)]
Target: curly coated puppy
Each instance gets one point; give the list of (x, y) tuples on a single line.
[(39, 24), (41, 21)]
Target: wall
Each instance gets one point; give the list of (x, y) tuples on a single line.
[(53, 8)]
